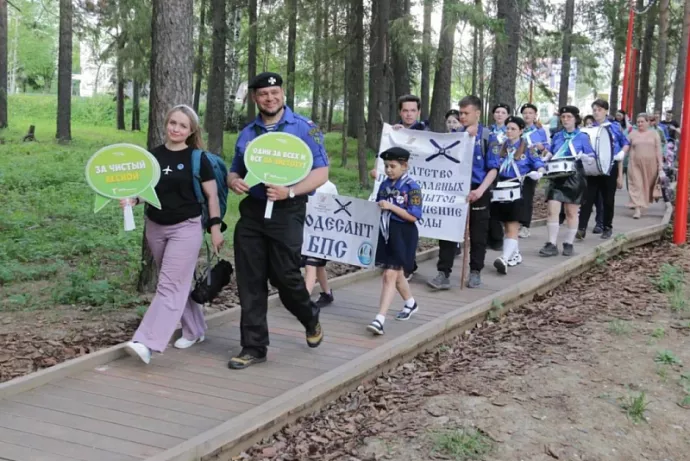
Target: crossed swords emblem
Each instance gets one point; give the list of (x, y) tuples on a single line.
[(343, 207), (443, 151)]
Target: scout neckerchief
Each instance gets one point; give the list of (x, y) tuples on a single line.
[(567, 140), (499, 132), (526, 134), (386, 214), (509, 161)]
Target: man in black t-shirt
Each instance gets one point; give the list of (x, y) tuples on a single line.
[(670, 126)]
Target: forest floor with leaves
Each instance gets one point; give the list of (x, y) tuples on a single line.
[(591, 371)]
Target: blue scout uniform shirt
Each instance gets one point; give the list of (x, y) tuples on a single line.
[(482, 162), (405, 193), (528, 161), (619, 139), (294, 124), (537, 135), (579, 140), (498, 135), (419, 126)]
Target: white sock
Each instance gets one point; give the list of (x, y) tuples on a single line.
[(552, 228), (510, 246), (381, 318), (570, 235), (409, 303)]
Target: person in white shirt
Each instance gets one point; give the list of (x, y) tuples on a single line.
[(315, 268)]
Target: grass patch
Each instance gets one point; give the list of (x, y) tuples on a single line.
[(461, 444), (658, 333), (619, 327), (678, 301), (666, 357), (662, 372), (635, 407), (670, 279)]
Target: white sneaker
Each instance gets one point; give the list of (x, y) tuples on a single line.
[(501, 266), (139, 350), (515, 259), (524, 232), (184, 343)]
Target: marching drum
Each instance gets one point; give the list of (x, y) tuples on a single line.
[(506, 191), (559, 167), (602, 142)]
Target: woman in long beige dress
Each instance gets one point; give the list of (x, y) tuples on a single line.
[(645, 164)]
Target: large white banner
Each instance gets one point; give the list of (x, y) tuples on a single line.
[(342, 229), (441, 163)]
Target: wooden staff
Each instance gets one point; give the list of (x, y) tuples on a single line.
[(465, 248)]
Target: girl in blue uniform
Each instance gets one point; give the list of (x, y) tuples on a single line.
[(517, 162), (400, 199), (569, 190), (498, 129), (453, 121), (537, 143)]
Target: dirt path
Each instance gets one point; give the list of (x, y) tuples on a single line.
[(593, 371)]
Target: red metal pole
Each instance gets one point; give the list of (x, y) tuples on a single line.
[(628, 58), (633, 83), (680, 225)]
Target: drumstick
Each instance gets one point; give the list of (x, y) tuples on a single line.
[(465, 249)]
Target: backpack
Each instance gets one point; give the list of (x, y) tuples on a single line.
[(220, 171)]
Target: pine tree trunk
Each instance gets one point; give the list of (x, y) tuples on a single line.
[(354, 31), (504, 72), (475, 58), (120, 94), (215, 102), (480, 68), (343, 152), (661, 56), (292, 38), (357, 74), (199, 61), (399, 11), (615, 79), (4, 37), (426, 58), (136, 108), (64, 90), (682, 66), (251, 57), (567, 49), (646, 63), (316, 89), (326, 66), (440, 101), (379, 77), (232, 74)]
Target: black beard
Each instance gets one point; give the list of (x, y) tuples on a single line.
[(270, 114)]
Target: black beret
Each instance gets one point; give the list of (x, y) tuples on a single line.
[(529, 106), (454, 112), (501, 105), (516, 120), (265, 79), (569, 110), (395, 153)]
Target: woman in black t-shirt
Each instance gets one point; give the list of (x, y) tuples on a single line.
[(174, 235)]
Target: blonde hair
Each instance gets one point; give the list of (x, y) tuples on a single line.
[(194, 140), (643, 115)]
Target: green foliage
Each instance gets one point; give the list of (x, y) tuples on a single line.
[(619, 327), (666, 357), (671, 278), (461, 444), (635, 407), (658, 333)]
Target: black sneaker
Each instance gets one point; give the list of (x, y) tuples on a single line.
[(325, 299), (406, 312), (375, 327), (549, 249), (597, 229), (568, 249), (581, 233), (244, 360), (314, 336), (607, 234)]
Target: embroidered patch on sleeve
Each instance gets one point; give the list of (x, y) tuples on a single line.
[(315, 134), (415, 197)]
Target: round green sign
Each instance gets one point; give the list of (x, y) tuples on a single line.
[(123, 171), (277, 158)]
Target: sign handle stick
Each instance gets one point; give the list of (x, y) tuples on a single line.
[(465, 251), (269, 209), (129, 217)]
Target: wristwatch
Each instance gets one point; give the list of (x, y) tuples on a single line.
[(291, 193)]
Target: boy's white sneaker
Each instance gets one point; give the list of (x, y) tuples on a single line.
[(139, 350), (184, 343)]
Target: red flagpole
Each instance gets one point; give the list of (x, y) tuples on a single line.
[(680, 225), (628, 58)]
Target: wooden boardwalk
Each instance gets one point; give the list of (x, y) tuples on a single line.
[(123, 410)]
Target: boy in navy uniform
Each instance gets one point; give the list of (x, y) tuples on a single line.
[(270, 249), (400, 200), (484, 170)]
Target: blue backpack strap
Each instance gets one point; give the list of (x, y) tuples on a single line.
[(196, 172)]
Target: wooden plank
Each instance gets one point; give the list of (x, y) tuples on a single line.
[(12, 452), (53, 431), (59, 447), (155, 401), (117, 431), (138, 409)]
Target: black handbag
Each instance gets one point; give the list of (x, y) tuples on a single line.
[(211, 280)]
